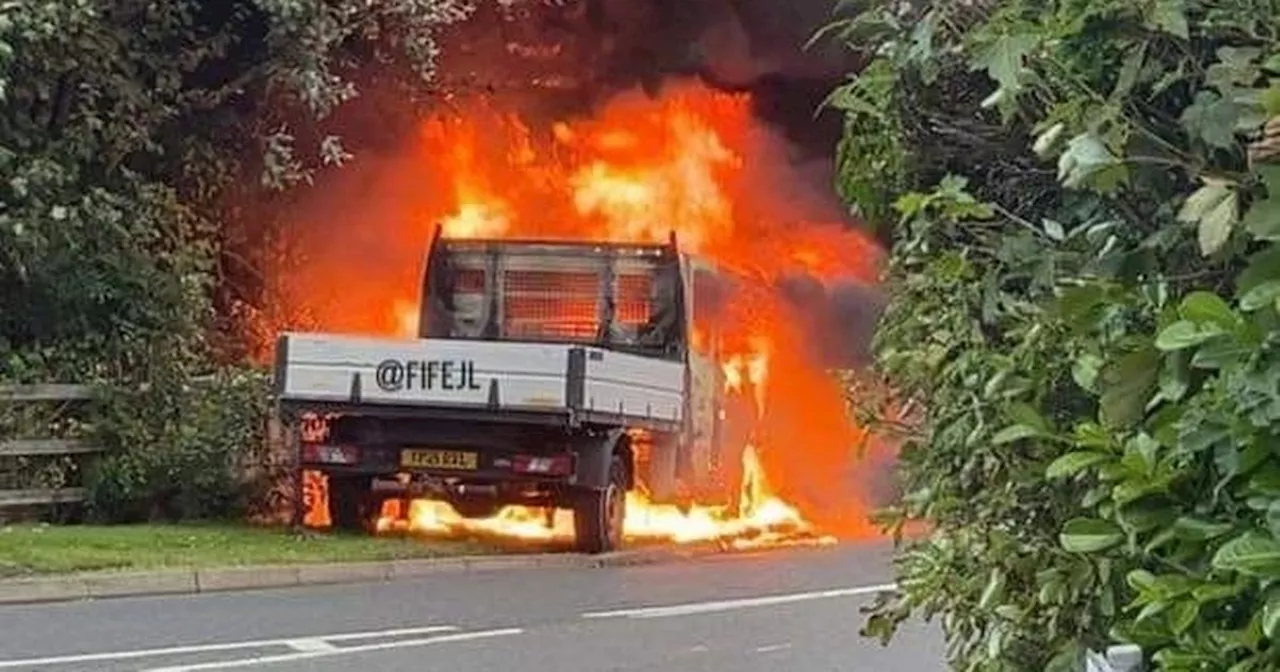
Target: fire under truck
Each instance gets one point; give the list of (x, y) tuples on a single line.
[(545, 373)]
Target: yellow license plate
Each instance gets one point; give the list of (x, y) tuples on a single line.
[(440, 459)]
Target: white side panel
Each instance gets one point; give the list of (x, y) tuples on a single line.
[(321, 367), (633, 385)]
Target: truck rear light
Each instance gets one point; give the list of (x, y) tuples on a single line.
[(324, 453), (543, 465)]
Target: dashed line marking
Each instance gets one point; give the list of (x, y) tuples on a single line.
[(338, 651), (306, 645), (222, 646), (692, 608)]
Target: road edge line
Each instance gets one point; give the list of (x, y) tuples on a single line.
[(107, 585)]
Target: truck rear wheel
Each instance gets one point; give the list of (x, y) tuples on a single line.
[(598, 515), (352, 504)]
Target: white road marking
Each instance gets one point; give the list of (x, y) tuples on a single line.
[(745, 603), (338, 651), (310, 645), (773, 647), (223, 646)]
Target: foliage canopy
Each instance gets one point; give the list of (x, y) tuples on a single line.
[(1084, 291), (123, 123)]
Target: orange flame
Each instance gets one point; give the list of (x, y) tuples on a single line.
[(690, 161), (761, 519)]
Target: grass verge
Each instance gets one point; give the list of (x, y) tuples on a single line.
[(39, 549)]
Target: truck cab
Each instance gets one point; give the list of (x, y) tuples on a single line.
[(545, 373)]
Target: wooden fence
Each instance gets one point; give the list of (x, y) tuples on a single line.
[(38, 470)]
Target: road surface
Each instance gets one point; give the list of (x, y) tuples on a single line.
[(784, 610)]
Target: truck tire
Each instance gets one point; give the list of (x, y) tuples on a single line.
[(352, 505), (598, 515)]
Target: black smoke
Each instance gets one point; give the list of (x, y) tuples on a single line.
[(758, 46), (741, 45), (840, 317)]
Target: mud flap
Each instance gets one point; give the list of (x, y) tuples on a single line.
[(595, 456), (661, 477)]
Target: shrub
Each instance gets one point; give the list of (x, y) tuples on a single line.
[(1094, 343), (183, 451)]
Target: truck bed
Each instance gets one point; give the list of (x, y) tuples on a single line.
[(561, 382)]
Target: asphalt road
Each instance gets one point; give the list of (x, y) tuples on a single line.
[(794, 610)]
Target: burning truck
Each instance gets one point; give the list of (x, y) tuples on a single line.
[(785, 275), (546, 374)]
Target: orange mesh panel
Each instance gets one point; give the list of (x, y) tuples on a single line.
[(551, 304), (632, 299)]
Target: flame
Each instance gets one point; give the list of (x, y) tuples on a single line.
[(760, 519), (689, 161)]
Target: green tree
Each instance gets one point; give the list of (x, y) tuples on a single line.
[(123, 123), (1084, 286)]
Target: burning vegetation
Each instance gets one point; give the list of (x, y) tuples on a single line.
[(684, 159)]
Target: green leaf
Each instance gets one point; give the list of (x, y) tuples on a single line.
[(1089, 535), (1213, 207), (1070, 464), (1271, 617), (1261, 296), (1207, 308), (1170, 16), (1174, 378), (1236, 67), (1003, 60), (1263, 218), (911, 203), (1182, 615), (1127, 386), (1262, 266), (1015, 433), (1141, 580), (1183, 334), (1026, 414), (1212, 592), (1201, 437), (1212, 119), (1221, 352), (994, 591), (1085, 371), (1143, 517), (1129, 71), (1251, 554), (1202, 200), (1195, 529), (1086, 156), (1091, 435), (1270, 100)]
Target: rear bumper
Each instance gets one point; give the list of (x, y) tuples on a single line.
[(490, 466), (543, 417)]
